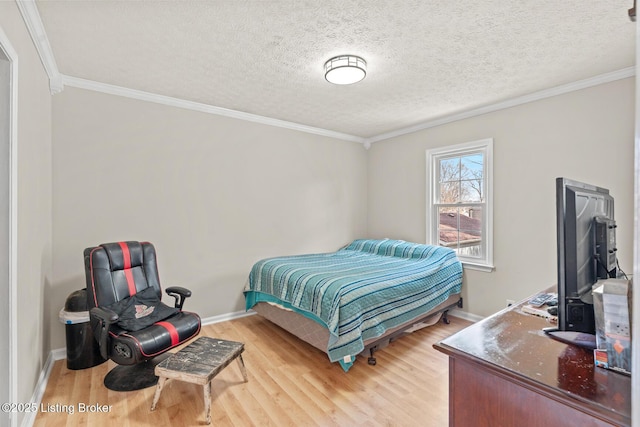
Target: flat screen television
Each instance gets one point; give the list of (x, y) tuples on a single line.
[(586, 250)]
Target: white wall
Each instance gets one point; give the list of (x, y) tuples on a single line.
[(34, 204), (585, 135), (225, 193), (213, 194)]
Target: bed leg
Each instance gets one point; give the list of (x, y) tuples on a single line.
[(371, 360), (445, 318)]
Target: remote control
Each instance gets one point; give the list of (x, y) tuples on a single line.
[(539, 300)]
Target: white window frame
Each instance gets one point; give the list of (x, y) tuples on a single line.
[(485, 146)]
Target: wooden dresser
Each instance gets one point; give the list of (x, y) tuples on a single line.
[(504, 371)]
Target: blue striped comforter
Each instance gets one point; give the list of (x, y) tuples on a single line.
[(360, 291)]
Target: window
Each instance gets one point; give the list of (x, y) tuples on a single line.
[(459, 201)]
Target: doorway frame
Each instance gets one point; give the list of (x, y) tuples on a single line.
[(12, 56)]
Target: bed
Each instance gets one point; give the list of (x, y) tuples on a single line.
[(358, 298)]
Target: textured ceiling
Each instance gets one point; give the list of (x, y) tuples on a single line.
[(426, 59)]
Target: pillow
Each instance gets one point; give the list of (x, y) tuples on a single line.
[(394, 248), (141, 310)]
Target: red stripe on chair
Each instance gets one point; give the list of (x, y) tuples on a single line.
[(128, 274), (93, 284), (173, 332)]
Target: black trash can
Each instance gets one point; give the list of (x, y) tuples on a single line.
[(82, 349)]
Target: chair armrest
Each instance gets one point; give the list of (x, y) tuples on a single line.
[(180, 294), (105, 315), (105, 318)]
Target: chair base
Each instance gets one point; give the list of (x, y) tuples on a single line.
[(134, 377)]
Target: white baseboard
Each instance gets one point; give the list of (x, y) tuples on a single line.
[(40, 388), (228, 316), (466, 316), (58, 354)]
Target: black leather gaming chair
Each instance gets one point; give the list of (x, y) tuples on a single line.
[(132, 326)]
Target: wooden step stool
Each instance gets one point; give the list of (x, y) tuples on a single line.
[(198, 363)]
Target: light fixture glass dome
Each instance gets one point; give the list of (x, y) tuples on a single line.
[(345, 69)]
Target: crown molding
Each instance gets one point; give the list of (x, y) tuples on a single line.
[(65, 80), (57, 82), (535, 96), (32, 20), (204, 108)]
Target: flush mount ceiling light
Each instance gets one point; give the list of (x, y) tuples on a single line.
[(345, 69)]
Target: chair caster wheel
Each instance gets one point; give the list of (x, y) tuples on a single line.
[(371, 361)]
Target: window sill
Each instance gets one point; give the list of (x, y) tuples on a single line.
[(480, 267)]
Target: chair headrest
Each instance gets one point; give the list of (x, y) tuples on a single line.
[(123, 255)]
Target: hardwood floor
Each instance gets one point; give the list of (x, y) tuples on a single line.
[(290, 384)]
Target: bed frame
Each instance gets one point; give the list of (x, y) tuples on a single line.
[(318, 336)]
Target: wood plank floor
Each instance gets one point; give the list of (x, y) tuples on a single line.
[(290, 384)]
